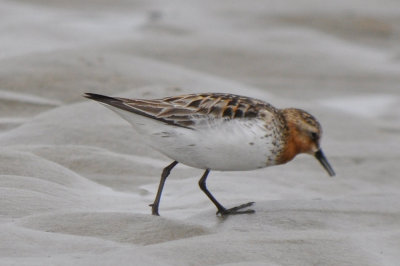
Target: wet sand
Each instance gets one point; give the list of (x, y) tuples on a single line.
[(76, 180)]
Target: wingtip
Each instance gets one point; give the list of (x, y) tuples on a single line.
[(92, 95), (98, 97)]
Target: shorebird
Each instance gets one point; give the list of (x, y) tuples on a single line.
[(216, 131)]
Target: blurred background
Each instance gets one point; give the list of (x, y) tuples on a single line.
[(300, 48)]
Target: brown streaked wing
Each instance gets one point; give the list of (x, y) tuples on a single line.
[(180, 110)]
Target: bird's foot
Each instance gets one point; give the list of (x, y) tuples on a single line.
[(154, 209), (236, 210)]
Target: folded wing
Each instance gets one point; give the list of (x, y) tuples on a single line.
[(187, 110)]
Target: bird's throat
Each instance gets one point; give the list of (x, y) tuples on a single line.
[(292, 145)]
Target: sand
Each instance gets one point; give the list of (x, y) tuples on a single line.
[(76, 180)]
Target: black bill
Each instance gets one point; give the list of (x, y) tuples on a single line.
[(324, 162)]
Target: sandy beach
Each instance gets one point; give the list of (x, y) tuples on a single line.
[(76, 180)]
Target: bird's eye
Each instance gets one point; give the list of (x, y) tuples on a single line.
[(314, 135)]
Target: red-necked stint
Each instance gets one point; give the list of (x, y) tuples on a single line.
[(216, 131)]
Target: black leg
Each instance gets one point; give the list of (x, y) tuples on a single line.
[(221, 209), (164, 175), (202, 184)]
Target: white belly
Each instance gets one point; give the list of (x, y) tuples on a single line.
[(230, 146), (223, 145)]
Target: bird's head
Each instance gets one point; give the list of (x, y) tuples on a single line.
[(303, 136)]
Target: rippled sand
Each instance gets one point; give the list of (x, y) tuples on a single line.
[(76, 180)]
